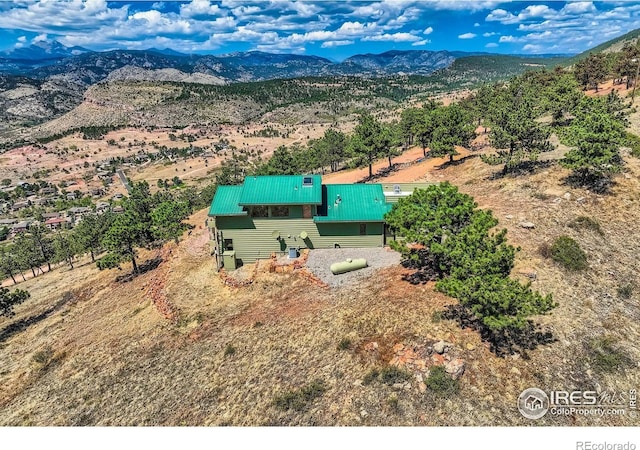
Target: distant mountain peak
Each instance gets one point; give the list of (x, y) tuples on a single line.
[(43, 50)]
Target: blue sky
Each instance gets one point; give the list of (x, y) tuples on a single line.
[(331, 29)]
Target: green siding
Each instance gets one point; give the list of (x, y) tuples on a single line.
[(252, 238)]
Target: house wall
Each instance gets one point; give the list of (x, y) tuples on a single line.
[(252, 238)]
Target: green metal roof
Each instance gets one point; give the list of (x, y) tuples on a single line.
[(353, 203), (281, 190), (225, 202)]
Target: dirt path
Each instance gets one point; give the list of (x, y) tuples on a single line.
[(420, 168)]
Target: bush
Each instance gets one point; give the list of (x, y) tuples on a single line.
[(441, 383), (389, 375), (345, 344), (567, 252), (626, 291), (586, 223), (229, 350), (605, 357), (299, 398)]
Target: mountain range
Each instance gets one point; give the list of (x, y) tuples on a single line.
[(44, 60)]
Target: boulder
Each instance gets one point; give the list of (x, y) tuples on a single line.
[(455, 368), (527, 225)]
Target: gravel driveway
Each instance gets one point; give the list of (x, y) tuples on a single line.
[(320, 260)]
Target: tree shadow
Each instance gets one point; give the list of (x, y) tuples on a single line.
[(505, 342), (23, 324), (455, 162), (523, 168), (143, 268), (594, 183)]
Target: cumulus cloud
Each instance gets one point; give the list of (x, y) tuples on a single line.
[(467, 36), (395, 37), (421, 43), (491, 45), (330, 44), (428, 31)]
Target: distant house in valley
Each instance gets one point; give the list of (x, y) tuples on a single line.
[(17, 206), (48, 191), (56, 223), (117, 209), (275, 214), (20, 227), (76, 213), (102, 207)]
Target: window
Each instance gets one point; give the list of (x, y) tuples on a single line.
[(307, 181), (279, 211), (260, 211), (228, 244), (363, 229)]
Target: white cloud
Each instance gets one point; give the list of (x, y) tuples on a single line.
[(200, 8), (395, 37), (39, 38), (489, 34), (500, 15), (491, 45), (22, 39), (507, 39), (428, 31), (330, 44), (421, 43), (467, 36), (578, 8), (476, 24)]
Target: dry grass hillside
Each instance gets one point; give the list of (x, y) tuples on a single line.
[(87, 350)]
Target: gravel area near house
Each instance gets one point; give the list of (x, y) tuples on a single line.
[(320, 260)]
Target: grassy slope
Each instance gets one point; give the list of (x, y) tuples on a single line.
[(108, 358)]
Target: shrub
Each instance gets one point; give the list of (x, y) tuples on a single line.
[(388, 375), (567, 252), (391, 375), (345, 344), (43, 356), (371, 376), (299, 398), (441, 383), (626, 291), (229, 350), (605, 357), (545, 250), (586, 223)]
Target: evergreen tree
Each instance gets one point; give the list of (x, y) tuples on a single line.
[(596, 155), (515, 129), (453, 128), (10, 299), (90, 231), (167, 220), (8, 263), (366, 140)]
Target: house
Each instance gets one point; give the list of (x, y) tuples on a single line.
[(51, 215), (56, 223), (117, 210), (20, 227), (102, 207), (17, 206), (76, 213), (272, 214)]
